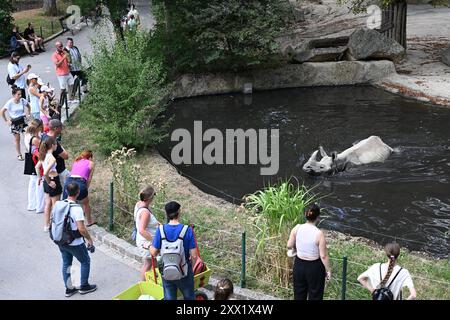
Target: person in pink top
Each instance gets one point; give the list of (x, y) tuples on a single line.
[(61, 59), (81, 173)]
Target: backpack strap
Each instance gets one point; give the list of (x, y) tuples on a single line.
[(381, 278), (161, 231), (183, 232), (394, 277)]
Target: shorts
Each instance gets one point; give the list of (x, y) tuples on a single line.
[(50, 191), (145, 253), (65, 81), (81, 183), (19, 127)]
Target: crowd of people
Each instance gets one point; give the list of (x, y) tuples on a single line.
[(130, 20)]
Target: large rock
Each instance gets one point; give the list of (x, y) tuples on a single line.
[(368, 44), (446, 57), (289, 76), (320, 55)]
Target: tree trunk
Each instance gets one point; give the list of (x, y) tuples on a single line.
[(394, 19), (50, 8)]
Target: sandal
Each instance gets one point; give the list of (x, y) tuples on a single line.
[(20, 157)]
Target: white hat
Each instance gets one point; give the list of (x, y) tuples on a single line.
[(46, 89), (40, 82), (32, 76)]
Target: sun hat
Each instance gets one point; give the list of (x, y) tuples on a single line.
[(46, 89)]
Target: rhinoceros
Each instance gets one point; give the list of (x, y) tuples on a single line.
[(372, 149)]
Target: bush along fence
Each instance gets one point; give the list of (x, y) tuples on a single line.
[(233, 254)]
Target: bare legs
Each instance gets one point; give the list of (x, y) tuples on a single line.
[(17, 143), (87, 210), (146, 267)]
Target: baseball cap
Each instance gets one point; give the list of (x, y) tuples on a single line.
[(32, 76)]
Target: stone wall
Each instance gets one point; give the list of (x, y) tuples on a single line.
[(289, 76)]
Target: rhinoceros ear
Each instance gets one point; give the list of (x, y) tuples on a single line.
[(333, 155), (313, 156), (322, 152)]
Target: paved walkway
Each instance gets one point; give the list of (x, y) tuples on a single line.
[(30, 264)]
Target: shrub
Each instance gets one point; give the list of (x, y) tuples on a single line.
[(276, 209), (6, 21), (220, 35), (127, 83)]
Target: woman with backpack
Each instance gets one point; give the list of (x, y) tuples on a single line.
[(146, 225), (52, 182), (386, 280), (16, 110), (32, 141), (311, 264)]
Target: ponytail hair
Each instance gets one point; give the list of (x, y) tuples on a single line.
[(392, 251), (14, 89), (147, 193), (46, 145), (33, 127), (312, 212), (223, 290), (86, 154)]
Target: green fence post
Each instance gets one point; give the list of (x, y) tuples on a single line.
[(52, 26), (344, 277), (243, 261), (41, 32), (111, 206)]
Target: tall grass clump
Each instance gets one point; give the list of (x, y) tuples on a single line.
[(276, 210)]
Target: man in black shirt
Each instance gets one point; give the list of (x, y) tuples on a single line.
[(55, 128), (30, 35)]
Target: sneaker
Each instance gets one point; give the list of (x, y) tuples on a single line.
[(46, 228), (71, 292), (87, 289)]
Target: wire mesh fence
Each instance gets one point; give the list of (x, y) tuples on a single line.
[(234, 255)]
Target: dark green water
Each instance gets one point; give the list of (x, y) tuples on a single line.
[(405, 198)]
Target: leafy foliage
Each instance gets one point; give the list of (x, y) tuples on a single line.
[(220, 35), (86, 6), (6, 21), (127, 83)]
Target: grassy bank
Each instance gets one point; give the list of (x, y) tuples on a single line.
[(219, 226), (39, 20)]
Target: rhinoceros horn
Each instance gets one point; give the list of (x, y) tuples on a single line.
[(322, 152)]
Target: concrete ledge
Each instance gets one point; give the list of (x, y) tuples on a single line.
[(289, 76), (126, 251)]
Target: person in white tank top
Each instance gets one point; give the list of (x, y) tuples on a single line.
[(146, 225), (311, 265)]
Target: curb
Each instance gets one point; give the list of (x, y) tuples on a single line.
[(131, 253)]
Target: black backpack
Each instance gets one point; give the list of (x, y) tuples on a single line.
[(384, 293), (10, 81)]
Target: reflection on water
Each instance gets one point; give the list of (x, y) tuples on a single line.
[(407, 196)]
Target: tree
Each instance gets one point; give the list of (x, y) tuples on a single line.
[(6, 21), (215, 35), (50, 8)]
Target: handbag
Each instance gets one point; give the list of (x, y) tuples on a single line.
[(29, 163), (384, 293)]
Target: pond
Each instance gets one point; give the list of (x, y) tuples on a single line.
[(406, 198)]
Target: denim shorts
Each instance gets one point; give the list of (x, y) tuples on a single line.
[(53, 192), (81, 183)]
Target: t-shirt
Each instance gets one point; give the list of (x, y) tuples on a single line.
[(14, 109), (27, 32), (14, 69), (172, 232), (402, 280), (60, 162), (77, 214), (63, 68)]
